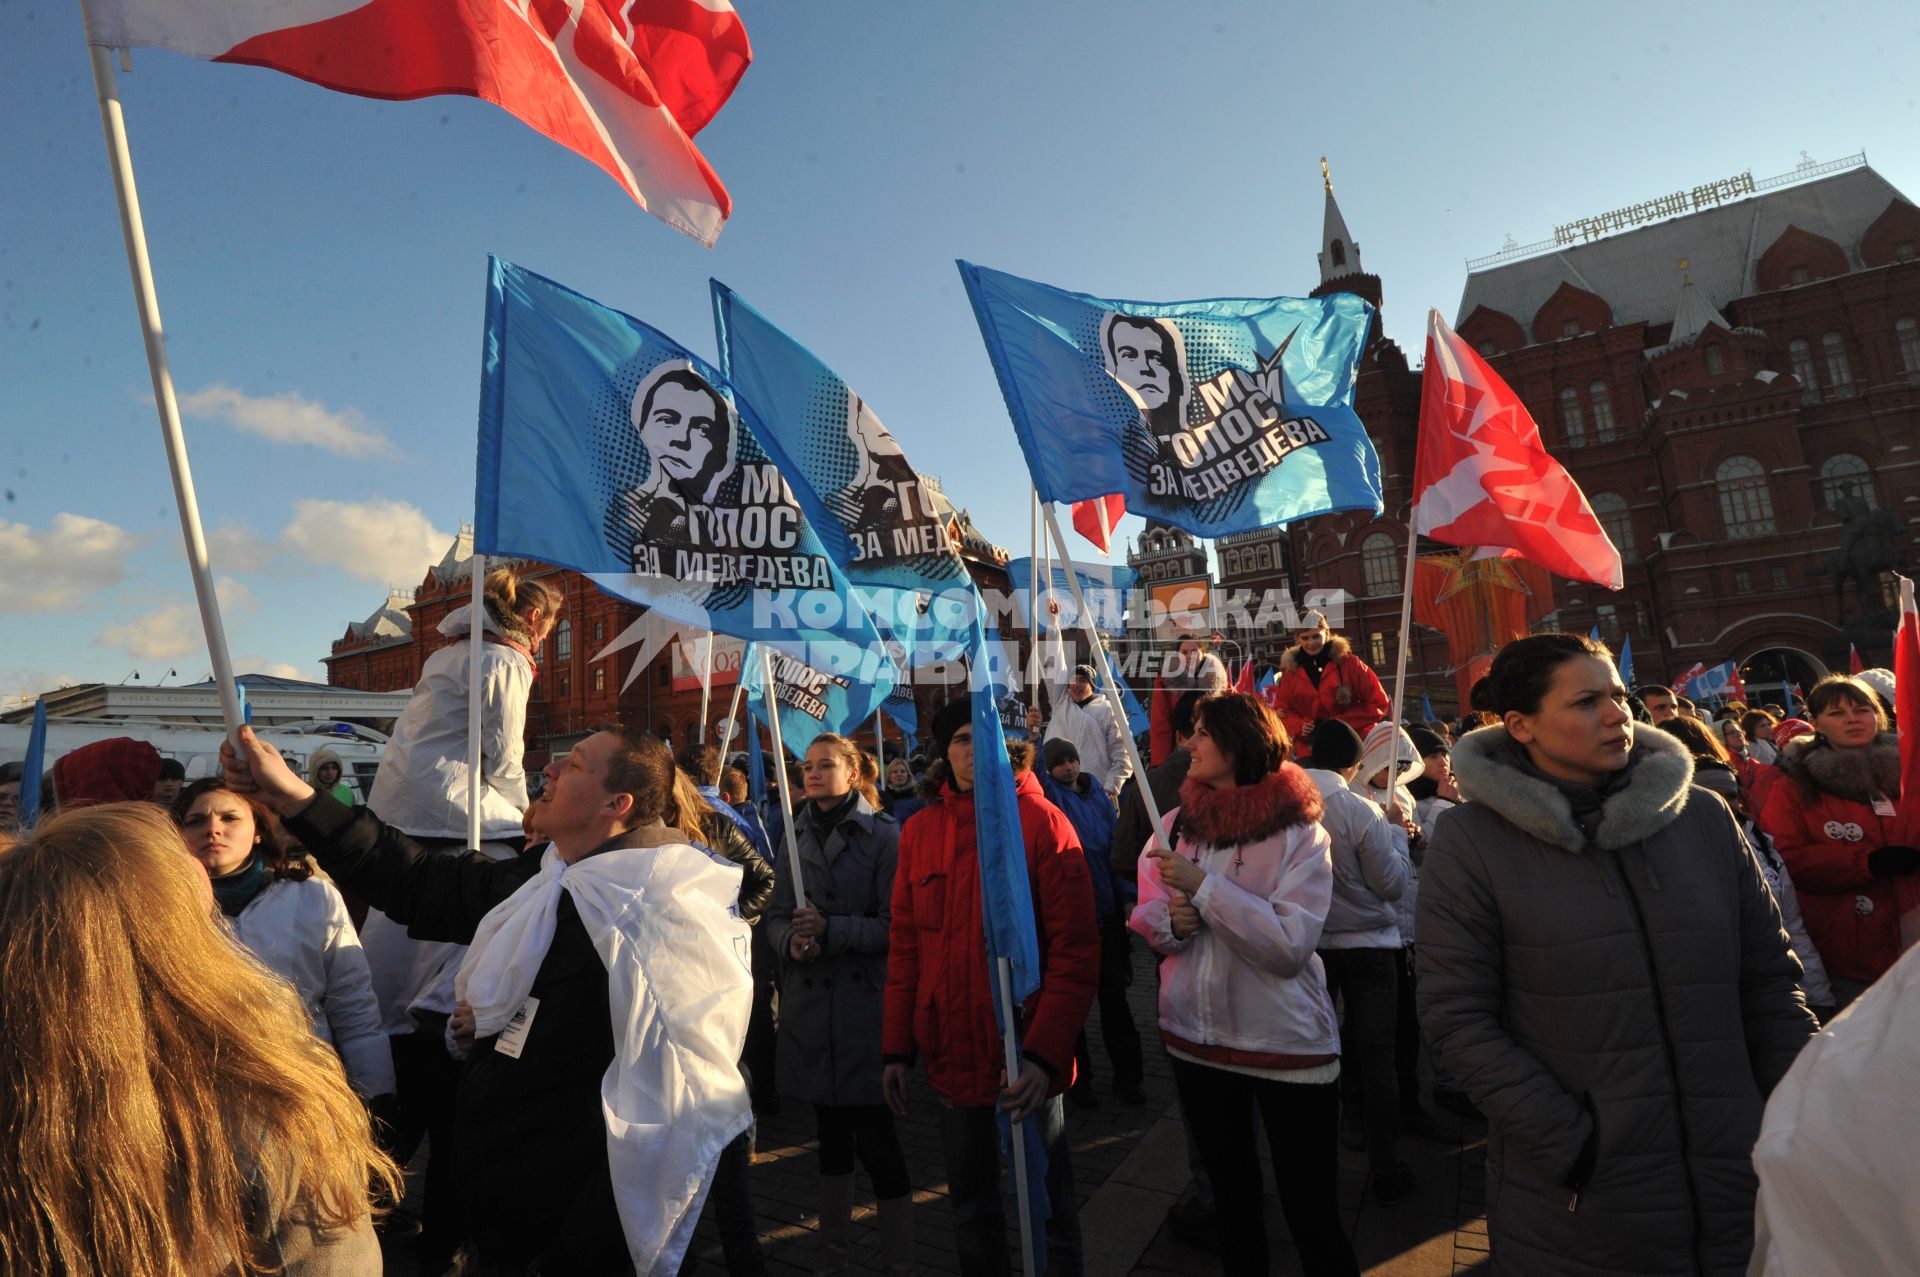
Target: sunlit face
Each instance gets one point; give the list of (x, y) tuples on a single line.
[(899, 775), (220, 832), (826, 774), (1847, 724), (960, 757), (1438, 768), (1733, 737), (1660, 706), (328, 775), (1209, 764), (1080, 688), (576, 795), (1310, 641), (1583, 731), (681, 427), (1142, 362)]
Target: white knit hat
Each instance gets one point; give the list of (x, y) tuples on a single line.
[(1377, 752)]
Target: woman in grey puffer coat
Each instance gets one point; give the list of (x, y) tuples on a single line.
[(1603, 968)]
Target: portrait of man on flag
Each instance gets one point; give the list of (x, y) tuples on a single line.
[(687, 432), (1148, 358)]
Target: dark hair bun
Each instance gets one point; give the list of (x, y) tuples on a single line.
[(1523, 671)]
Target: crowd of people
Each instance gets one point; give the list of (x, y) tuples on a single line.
[(1602, 922)]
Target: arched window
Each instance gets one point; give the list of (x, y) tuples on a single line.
[(1833, 348), (563, 641), (1611, 509), (1716, 364), (1907, 332), (1746, 506), (1572, 427), (1339, 253), (1800, 356), (1845, 476), (1381, 563), (1602, 411)]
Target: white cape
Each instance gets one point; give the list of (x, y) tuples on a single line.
[(665, 920), (1837, 1155)]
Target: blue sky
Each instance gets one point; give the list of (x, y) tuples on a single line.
[(321, 258)]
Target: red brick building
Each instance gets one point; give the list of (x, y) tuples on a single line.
[(1721, 384), (581, 682)]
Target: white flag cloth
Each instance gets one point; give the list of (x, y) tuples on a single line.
[(1839, 1178), (665, 920)]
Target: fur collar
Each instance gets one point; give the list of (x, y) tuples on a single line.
[(1818, 767), (1248, 813), (1653, 797), (1335, 647)]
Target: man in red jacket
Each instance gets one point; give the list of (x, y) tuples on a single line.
[(940, 996)]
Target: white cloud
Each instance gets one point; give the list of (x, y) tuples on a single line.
[(59, 568), (22, 686), (173, 630), (278, 669), (386, 542), (160, 635), (290, 418), (237, 548)]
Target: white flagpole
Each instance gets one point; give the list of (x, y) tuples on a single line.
[(770, 694), (1004, 968), (478, 562), (1400, 664), (880, 745), (733, 712), (1033, 598), (147, 300), (1107, 679), (706, 684)]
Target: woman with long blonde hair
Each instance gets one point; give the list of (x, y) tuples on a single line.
[(164, 1105)]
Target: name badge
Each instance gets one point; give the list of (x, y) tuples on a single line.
[(513, 1038), (1882, 806)]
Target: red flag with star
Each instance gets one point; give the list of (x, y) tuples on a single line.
[(1482, 476)]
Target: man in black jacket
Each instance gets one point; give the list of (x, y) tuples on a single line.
[(531, 1143)]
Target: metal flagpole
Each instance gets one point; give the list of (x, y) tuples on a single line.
[(880, 745), (1107, 679), (1004, 968), (1400, 664), (770, 693), (147, 300), (1033, 596), (478, 563), (733, 712)]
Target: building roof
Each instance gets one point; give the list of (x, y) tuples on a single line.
[(1693, 314), (389, 620), (1334, 228), (1633, 270)]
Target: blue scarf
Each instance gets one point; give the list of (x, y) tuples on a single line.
[(235, 891)]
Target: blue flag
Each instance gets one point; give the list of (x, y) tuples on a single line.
[(1426, 710), (812, 702), (1625, 661), (873, 512), (902, 710), (756, 768), (1216, 416), (1106, 585), (609, 448), (1008, 900), (1594, 633), (33, 766)]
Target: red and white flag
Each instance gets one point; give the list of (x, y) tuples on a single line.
[(1854, 664), (626, 83), (1483, 478), (1096, 519), (1906, 712), (1680, 684)]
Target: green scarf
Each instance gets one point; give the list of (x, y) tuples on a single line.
[(235, 891)]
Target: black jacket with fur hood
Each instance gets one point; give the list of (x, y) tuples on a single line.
[(1619, 1004)]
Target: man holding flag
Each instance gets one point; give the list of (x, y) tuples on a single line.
[(940, 999)]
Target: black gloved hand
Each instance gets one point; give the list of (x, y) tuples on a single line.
[(1884, 862)]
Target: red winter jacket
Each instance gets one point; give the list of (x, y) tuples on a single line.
[(1349, 690), (1852, 916), (940, 993)]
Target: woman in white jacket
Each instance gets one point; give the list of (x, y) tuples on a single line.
[(1237, 908), (421, 787), (294, 923)]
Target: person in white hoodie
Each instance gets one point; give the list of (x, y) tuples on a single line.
[(1361, 949), (1236, 908), (421, 790), (294, 923), (1083, 716)]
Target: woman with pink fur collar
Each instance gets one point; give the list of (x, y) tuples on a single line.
[(1237, 908)]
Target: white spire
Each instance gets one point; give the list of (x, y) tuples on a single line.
[(1692, 314), (1339, 255)]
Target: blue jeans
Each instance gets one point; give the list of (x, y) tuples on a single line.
[(970, 1139)]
